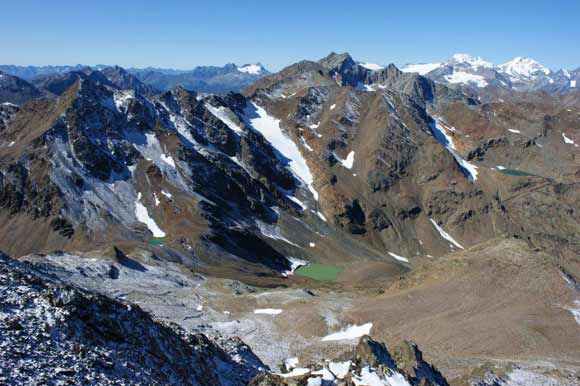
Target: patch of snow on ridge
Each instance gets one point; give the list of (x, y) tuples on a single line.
[(221, 113), (445, 139), (445, 235), (400, 258), (421, 69), (372, 66), (466, 78), (268, 311), (143, 217), (514, 131), (573, 83), (369, 377), (333, 106), (352, 332), (567, 140), (269, 127)]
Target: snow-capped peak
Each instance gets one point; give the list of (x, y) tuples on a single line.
[(523, 66), (254, 69), (473, 61)]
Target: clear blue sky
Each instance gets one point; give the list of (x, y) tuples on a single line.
[(183, 34)]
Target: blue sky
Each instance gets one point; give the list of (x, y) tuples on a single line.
[(183, 34)]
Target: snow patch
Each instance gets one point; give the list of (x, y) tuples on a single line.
[(514, 131), (369, 377), (268, 311), (573, 83), (400, 258), (143, 217), (351, 332), (445, 235), (339, 369), (348, 161), (332, 106), (567, 140)]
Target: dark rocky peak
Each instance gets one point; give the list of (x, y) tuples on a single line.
[(409, 359), (344, 69), (336, 61), (124, 80)]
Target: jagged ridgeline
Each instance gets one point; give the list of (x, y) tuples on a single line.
[(366, 160)]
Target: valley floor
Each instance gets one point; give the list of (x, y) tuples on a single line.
[(510, 307)]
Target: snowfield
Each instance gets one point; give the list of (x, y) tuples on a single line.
[(466, 78), (269, 127)]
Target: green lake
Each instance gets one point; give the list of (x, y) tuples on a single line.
[(157, 241), (319, 271)]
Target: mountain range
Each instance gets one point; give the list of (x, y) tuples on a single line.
[(328, 201), (520, 73), (211, 79)]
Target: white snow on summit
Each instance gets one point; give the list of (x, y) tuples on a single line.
[(473, 61), (372, 66), (523, 66), (422, 68), (254, 69)]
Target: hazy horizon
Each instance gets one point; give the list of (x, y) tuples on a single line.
[(182, 35)]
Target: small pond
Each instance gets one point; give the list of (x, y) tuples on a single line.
[(319, 271)]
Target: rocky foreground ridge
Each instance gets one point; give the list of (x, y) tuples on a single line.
[(56, 333)]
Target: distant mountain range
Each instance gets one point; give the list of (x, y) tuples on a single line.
[(520, 74), (210, 79)]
